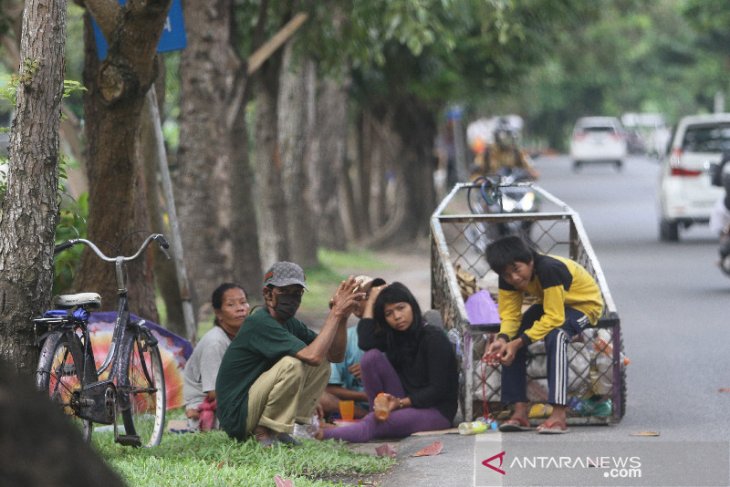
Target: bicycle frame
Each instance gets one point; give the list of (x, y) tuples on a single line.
[(122, 298)]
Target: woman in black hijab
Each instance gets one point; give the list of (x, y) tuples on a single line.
[(410, 362)]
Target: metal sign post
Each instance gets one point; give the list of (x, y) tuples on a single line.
[(177, 247)]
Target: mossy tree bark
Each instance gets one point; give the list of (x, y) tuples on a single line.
[(29, 210)]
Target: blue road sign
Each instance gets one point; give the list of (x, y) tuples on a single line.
[(454, 112), (173, 33)]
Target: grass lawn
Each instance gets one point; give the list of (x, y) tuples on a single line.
[(213, 459)]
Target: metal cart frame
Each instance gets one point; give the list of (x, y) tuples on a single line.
[(457, 239)]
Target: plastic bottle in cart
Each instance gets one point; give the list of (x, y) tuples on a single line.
[(601, 373), (380, 406)]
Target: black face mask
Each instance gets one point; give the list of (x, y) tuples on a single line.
[(287, 305)]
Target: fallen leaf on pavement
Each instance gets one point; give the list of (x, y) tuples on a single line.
[(431, 450), (283, 482), (724, 389), (385, 450)]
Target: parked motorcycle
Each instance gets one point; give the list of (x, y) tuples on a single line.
[(508, 191)]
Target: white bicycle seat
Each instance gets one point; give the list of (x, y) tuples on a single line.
[(92, 300)]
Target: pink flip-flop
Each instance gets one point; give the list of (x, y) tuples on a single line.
[(552, 427)]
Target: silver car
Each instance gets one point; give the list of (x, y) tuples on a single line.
[(686, 195)]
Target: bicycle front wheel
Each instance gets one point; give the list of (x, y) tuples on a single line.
[(145, 416), (60, 374)]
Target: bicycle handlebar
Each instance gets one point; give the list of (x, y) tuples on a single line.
[(158, 237), (63, 246)]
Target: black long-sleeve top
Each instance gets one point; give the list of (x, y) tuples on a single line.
[(424, 360)]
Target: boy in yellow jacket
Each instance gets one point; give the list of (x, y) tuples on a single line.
[(568, 300)]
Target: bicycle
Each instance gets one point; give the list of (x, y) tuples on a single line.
[(129, 383)]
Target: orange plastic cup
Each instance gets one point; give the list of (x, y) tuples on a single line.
[(347, 410)]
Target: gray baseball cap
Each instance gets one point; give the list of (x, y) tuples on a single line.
[(285, 274)]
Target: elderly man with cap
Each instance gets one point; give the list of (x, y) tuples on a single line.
[(276, 367)]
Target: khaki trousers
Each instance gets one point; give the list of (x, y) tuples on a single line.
[(286, 393)]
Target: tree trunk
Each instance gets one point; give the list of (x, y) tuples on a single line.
[(272, 216), (70, 130), (203, 180), (292, 110), (327, 160), (247, 265), (399, 138), (415, 125), (116, 92), (348, 183), (29, 209), (379, 167)]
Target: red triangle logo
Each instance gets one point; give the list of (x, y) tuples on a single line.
[(498, 469)]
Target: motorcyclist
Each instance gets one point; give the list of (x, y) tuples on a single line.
[(503, 156)]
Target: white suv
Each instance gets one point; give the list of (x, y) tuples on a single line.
[(686, 195), (598, 139)]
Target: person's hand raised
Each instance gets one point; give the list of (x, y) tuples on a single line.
[(347, 297), (372, 296)]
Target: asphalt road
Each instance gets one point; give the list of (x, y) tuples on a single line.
[(673, 305)]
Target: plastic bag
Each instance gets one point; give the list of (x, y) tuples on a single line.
[(481, 309), (467, 282)]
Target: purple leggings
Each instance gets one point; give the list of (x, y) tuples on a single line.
[(378, 376)]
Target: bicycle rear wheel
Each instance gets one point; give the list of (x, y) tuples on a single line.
[(145, 416), (60, 375)]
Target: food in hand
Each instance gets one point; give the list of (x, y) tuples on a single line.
[(380, 406)]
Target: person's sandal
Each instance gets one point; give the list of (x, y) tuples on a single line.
[(287, 439), (514, 425), (552, 427)]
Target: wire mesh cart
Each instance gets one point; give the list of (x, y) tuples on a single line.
[(459, 236)]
